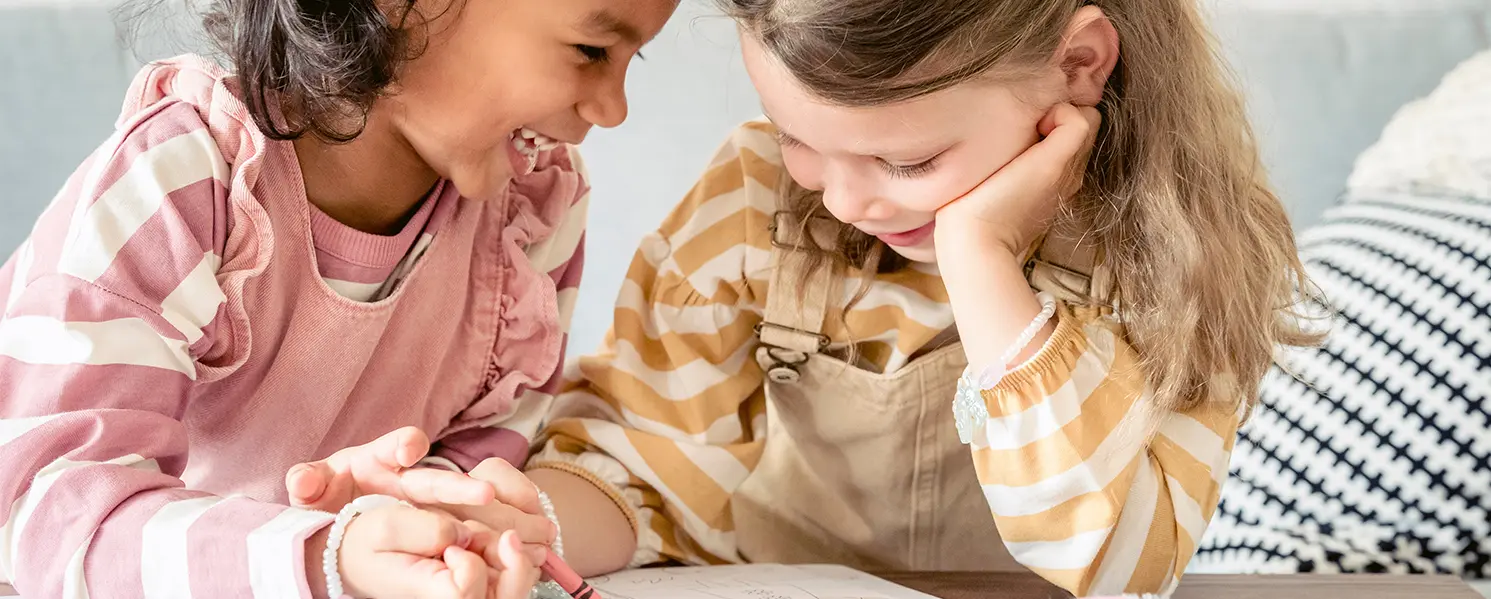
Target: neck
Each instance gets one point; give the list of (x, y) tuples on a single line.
[(372, 183)]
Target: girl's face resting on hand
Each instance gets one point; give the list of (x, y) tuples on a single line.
[(887, 169)]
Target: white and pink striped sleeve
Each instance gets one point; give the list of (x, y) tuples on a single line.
[(105, 309), (509, 435)]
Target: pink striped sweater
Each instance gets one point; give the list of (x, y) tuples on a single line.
[(182, 326)]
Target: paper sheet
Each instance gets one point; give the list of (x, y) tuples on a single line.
[(756, 581)]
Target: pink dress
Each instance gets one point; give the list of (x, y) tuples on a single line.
[(183, 326)]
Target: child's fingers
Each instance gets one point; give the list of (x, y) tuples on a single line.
[(510, 554), (1065, 114), (1074, 129), (1072, 120), (415, 531), (1094, 120), (536, 553), (305, 483), (317, 486), (494, 578), (511, 485), (389, 452), (485, 543), (530, 528), (518, 574), (373, 467), (436, 486), (376, 466), (516, 585), (537, 530), (393, 574), (500, 517), (1078, 126), (397, 450), (1069, 133), (1048, 165), (468, 573)]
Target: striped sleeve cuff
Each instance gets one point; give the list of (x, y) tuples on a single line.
[(589, 467), (612, 491), (277, 553)]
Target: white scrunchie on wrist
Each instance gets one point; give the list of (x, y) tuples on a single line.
[(329, 557)]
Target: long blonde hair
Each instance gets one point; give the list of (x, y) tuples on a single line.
[(1202, 253)]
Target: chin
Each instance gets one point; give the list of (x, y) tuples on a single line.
[(925, 253), (483, 184)]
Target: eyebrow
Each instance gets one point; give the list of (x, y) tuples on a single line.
[(602, 22)]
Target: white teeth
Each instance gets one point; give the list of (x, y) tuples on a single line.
[(543, 142), (528, 149), (531, 143)]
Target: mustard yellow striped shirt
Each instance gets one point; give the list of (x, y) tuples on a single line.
[(664, 417)]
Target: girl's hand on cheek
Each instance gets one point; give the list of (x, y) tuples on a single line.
[(1018, 202)]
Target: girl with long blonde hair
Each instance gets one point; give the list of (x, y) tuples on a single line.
[(1063, 194)]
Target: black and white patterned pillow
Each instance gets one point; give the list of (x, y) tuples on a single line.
[(1375, 455)]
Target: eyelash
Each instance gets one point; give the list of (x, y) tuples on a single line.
[(897, 171), (598, 55), (910, 171), (593, 54)]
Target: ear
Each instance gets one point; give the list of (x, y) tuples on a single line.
[(1088, 55)]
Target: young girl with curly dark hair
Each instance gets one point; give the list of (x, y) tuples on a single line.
[(371, 219)]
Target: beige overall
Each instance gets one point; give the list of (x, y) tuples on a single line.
[(860, 468)]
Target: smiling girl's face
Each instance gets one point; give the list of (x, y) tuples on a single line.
[(494, 68), (887, 169)]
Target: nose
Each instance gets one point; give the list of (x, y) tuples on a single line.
[(850, 200), (606, 107)]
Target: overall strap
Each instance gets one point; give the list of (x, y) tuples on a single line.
[(797, 303), (1066, 266)]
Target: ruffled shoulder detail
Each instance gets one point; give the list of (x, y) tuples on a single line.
[(530, 338), (210, 89)]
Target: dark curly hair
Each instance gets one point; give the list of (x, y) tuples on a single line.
[(307, 67)]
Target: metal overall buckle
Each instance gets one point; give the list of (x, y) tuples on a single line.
[(786, 363)]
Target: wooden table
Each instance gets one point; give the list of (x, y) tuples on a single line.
[(1196, 586), (1022, 585)]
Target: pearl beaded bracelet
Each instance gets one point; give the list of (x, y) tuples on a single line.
[(969, 410), (329, 557), (550, 589)]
